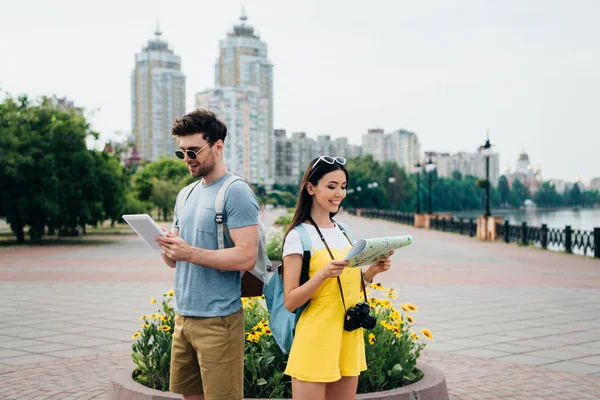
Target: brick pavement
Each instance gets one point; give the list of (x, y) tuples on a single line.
[(499, 313), (468, 378)]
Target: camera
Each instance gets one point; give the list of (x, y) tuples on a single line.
[(358, 317)]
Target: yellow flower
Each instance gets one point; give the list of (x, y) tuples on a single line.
[(414, 336), (396, 331), (411, 307), (146, 326), (410, 319), (390, 295), (163, 318), (170, 292), (143, 317), (404, 307), (155, 316), (377, 286), (164, 328), (267, 331), (136, 335), (427, 334), (371, 339), (152, 300), (252, 337), (385, 303)]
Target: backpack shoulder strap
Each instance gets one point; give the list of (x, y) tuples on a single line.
[(219, 206), (185, 194), (306, 248), (346, 229)]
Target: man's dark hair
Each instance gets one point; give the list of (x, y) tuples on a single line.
[(200, 121)]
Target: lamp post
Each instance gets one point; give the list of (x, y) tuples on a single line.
[(430, 167), (487, 151), (418, 167), (391, 181)]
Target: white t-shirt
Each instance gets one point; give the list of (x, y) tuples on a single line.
[(334, 237)]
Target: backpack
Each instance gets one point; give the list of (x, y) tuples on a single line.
[(282, 322), (253, 282)]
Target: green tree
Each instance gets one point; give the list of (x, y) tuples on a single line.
[(47, 174), (164, 194), (547, 196), (574, 197), (504, 190), (518, 194), (165, 169)]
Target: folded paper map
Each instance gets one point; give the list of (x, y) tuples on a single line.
[(367, 251)]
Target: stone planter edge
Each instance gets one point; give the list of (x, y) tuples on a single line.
[(431, 387)]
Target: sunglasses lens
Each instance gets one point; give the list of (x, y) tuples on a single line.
[(191, 154), (340, 160), (328, 160), (179, 154)]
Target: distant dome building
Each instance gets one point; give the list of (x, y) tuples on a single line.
[(528, 174)]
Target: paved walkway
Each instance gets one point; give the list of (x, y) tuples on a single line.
[(507, 321)]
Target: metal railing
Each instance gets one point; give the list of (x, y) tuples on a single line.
[(456, 225), (567, 239)]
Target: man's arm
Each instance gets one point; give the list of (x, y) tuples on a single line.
[(241, 257)]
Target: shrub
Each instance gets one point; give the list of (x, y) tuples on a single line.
[(152, 346), (392, 349), (274, 243)]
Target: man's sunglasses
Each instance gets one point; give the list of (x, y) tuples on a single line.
[(191, 154), (330, 160)]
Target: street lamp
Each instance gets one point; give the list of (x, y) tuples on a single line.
[(391, 181), (418, 167), (430, 167), (487, 152)]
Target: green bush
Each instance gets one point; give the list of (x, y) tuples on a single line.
[(391, 348), (275, 243), (152, 346), (284, 220)]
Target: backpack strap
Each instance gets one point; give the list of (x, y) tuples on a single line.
[(306, 248), (190, 188), (219, 206), (346, 229)]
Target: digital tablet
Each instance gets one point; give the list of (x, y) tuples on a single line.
[(145, 226)]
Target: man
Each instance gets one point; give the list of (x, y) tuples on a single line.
[(208, 341)]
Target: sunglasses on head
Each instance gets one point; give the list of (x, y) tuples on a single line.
[(330, 160), (180, 153)]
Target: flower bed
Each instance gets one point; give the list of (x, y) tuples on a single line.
[(392, 348)]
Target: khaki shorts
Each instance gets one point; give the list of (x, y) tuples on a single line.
[(208, 356)]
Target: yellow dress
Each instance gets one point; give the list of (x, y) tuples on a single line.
[(322, 351)]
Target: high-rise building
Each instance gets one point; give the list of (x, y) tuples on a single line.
[(465, 163), (293, 154), (243, 99), (404, 148), (400, 146), (157, 98), (374, 144)]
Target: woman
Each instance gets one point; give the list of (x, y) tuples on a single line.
[(325, 359)]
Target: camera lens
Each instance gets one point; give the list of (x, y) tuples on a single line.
[(369, 322)]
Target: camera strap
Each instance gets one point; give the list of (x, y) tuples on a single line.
[(331, 255)]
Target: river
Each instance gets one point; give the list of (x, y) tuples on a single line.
[(580, 219)]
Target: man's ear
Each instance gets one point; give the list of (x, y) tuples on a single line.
[(218, 146)]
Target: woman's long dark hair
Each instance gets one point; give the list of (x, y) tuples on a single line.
[(305, 200)]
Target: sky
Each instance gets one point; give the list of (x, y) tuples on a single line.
[(527, 71)]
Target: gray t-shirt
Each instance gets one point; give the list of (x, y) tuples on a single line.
[(201, 291)]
